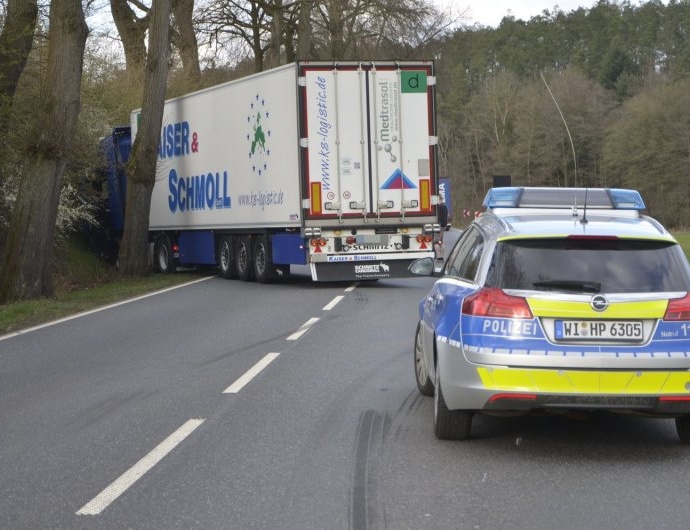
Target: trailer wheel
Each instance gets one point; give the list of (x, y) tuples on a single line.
[(264, 270), (243, 258), (164, 260), (226, 262)]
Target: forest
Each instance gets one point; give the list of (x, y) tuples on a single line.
[(597, 96)]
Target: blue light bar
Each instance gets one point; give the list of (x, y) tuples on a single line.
[(626, 199), (502, 198), (561, 198)]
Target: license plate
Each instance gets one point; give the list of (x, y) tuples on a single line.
[(585, 330)]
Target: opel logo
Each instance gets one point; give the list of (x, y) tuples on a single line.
[(599, 303)]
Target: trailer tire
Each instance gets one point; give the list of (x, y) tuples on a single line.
[(264, 270), (226, 258), (163, 258), (243, 258)]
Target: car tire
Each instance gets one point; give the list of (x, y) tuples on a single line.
[(424, 383), (683, 429), (449, 424), (226, 262), (243, 259), (164, 260)]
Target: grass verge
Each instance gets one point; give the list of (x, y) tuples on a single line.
[(21, 315)]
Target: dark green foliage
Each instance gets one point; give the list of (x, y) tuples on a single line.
[(535, 99)]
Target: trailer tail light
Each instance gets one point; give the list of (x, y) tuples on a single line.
[(317, 243), (492, 302), (427, 238), (678, 309)]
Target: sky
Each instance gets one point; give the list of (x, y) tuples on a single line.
[(490, 12)]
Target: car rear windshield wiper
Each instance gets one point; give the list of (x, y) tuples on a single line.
[(570, 285)]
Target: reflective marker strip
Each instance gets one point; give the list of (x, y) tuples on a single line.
[(301, 331), (117, 488), (251, 374), (620, 310), (628, 382)]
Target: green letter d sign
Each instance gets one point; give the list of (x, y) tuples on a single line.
[(413, 81)]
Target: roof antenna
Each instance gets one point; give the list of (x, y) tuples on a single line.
[(572, 145), (584, 220)]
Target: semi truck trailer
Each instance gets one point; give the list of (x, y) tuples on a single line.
[(327, 165)]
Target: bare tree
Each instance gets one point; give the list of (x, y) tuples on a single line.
[(304, 44), (141, 169), (225, 21), (183, 38), (27, 259), (132, 30)]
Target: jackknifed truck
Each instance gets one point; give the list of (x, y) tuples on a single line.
[(327, 165)]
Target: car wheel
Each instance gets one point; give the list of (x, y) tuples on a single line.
[(424, 384), (243, 258), (163, 255), (449, 424), (225, 258), (683, 428)]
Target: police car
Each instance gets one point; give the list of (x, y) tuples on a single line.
[(557, 299)]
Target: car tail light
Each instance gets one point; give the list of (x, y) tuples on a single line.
[(491, 302), (678, 309)]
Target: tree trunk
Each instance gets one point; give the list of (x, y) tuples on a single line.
[(132, 31), (16, 40), (277, 31), (26, 265), (141, 170), (184, 39), (304, 31)]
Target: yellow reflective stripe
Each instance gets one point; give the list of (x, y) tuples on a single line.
[(584, 381), (563, 309)]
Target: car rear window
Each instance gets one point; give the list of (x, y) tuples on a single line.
[(589, 265)]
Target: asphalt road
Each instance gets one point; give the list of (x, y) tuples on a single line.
[(226, 405)]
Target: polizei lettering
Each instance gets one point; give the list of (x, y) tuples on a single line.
[(510, 327), (199, 192)]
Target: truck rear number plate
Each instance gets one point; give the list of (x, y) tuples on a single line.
[(625, 330)]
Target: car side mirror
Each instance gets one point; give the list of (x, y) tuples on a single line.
[(422, 267)]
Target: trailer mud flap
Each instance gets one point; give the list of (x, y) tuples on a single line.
[(360, 270)]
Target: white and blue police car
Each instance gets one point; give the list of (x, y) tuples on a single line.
[(557, 299)]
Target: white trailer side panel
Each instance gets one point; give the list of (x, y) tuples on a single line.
[(229, 156)]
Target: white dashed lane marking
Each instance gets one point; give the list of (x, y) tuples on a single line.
[(123, 483), (251, 374)]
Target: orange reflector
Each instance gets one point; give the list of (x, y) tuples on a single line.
[(316, 197), (424, 194)]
